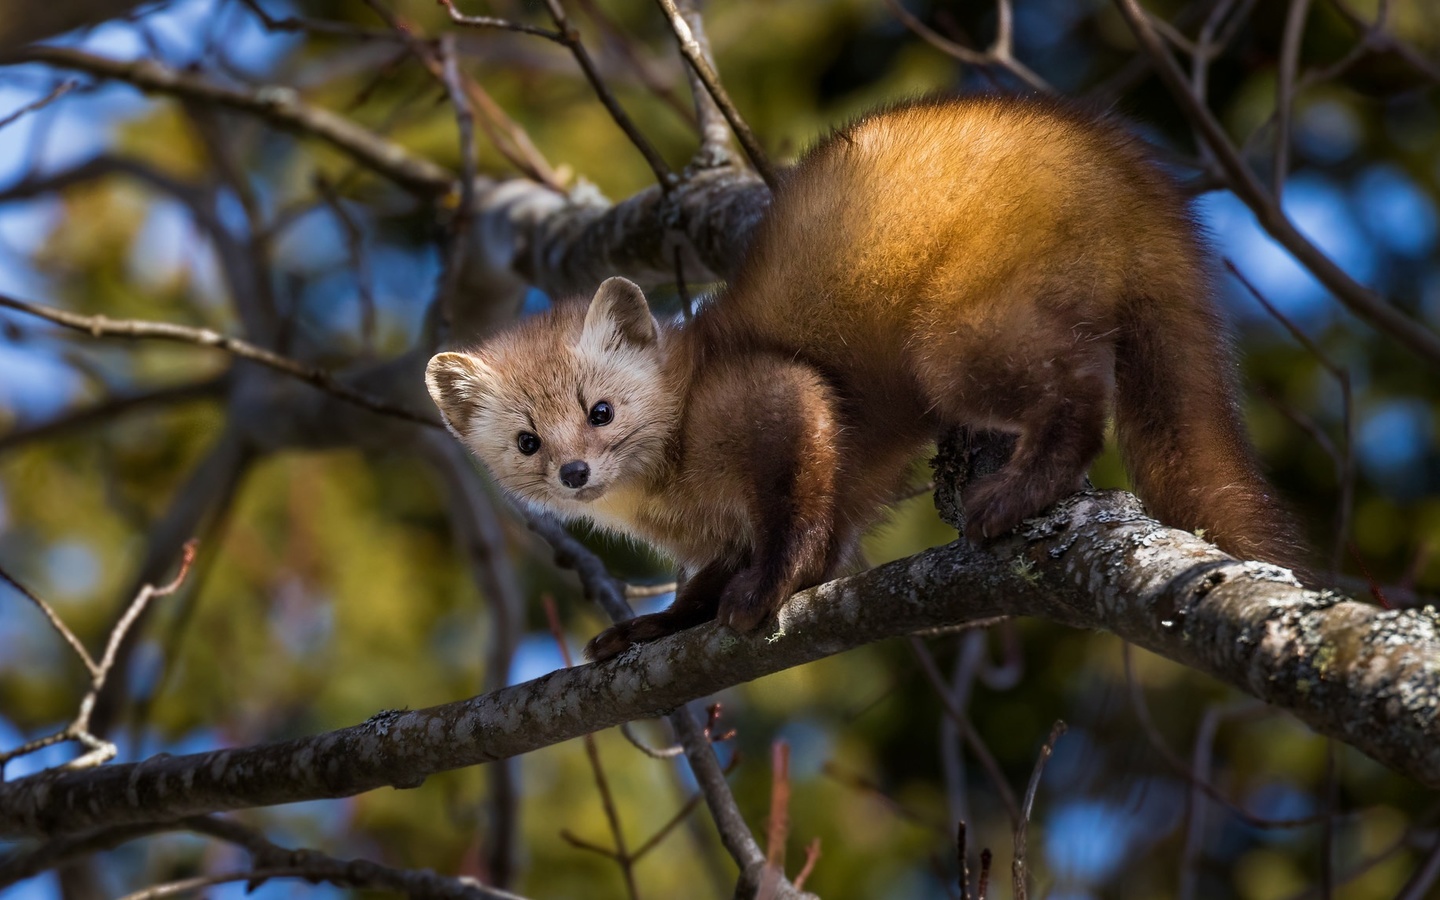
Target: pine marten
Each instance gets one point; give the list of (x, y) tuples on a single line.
[(1003, 263)]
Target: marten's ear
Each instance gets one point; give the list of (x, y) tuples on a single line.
[(459, 384), (619, 315)]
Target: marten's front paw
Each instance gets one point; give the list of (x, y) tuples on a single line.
[(749, 600), (621, 637)]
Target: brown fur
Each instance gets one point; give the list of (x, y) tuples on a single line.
[(1002, 263)]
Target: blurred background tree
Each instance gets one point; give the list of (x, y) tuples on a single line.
[(337, 573)]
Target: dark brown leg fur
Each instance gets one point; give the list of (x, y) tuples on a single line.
[(695, 603), (1055, 450), (1054, 390), (795, 459)]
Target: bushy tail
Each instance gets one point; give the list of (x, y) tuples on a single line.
[(1180, 429)]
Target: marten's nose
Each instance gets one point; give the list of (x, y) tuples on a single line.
[(575, 474)]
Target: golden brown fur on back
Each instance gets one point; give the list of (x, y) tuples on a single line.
[(985, 261)]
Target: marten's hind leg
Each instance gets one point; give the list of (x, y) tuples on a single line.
[(1055, 393)]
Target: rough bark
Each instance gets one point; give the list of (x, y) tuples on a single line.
[(1367, 676)]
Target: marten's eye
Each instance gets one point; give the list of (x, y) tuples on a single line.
[(601, 414), (528, 443)]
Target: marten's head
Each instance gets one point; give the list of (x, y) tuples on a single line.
[(566, 405)]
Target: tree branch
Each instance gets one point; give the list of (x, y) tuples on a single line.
[(280, 106), (1360, 300), (102, 326), (1366, 676)]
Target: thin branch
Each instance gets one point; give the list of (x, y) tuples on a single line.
[(61, 90), (621, 854), (812, 856), (317, 26), (103, 326), (1192, 773), (1416, 59), (456, 243), (79, 729), (570, 38), (359, 259), (857, 782), (1359, 299), (999, 55), (104, 410), (777, 831), (1017, 868), (714, 149), (646, 591), (491, 22), (1285, 90), (56, 623), (1343, 457), (695, 55), (629, 50), (1422, 882), (512, 141), (280, 106), (674, 750), (967, 730), (186, 885)]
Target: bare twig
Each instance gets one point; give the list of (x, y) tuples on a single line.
[(1189, 772), (645, 591), (79, 729), (621, 854), (674, 750), (967, 730), (714, 149), (1421, 62), (103, 326), (357, 873), (695, 55), (186, 885), (60, 90), (1424, 878), (281, 106), (317, 26), (857, 782), (505, 135), (656, 81), (359, 259), (55, 622), (812, 856), (570, 38), (1017, 868), (1344, 456), (1360, 300), (1285, 91), (469, 171), (492, 22), (1000, 55), (778, 829)]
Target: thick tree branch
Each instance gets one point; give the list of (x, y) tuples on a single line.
[(1367, 676)]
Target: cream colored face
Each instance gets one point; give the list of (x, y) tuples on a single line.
[(563, 409)]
